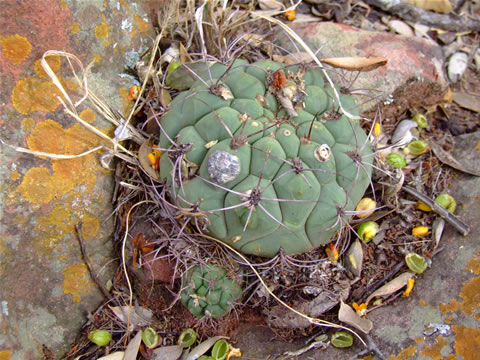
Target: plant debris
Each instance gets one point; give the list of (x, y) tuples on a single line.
[(291, 294)]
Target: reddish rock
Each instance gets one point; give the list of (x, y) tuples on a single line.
[(407, 56)]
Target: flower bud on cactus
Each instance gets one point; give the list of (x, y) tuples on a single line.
[(264, 151), (208, 289)]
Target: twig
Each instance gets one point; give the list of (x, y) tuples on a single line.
[(93, 274), (387, 277), (453, 220), (409, 12), (372, 348)]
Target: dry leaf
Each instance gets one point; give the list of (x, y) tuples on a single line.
[(202, 348), (145, 149), (441, 6), (467, 101), (131, 351), (355, 258), (117, 355), (270, 4), (139, 316), (400, 27), (287, 105), (463, 157), (392, 286), (356, 63), (457, 64), (168, 353), (323, 302), (349, 316)]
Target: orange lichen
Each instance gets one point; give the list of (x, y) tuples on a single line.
[(5, 354), (470, 293), (450, 357), (47, 137), (467, 342), (448, 319), (40, 185), (96, 58), (102, 30), (36, 186), (77, 282), (75, 28), (434, 350), (53, 61), (419, 340), (15, 175), (404, 354), (63, 4), (126, 104), (16, 48), (90, 227), (88, 115), (28, 124), (33, 94), (450, 307), (422, 302), (142, 25), (474, 265)]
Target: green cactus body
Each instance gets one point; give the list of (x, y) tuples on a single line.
[(266, 177), (208, 289)]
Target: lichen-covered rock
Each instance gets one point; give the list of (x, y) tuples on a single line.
[(264, 151), (208, 290)]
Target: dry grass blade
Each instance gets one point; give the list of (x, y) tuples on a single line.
[(50, 155), (313, 321), (69, 106)]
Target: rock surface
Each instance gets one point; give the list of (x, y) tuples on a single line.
[(407, 56), (46, 290)]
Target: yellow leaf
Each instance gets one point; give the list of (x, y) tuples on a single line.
[(420, 231), (441, 6), (408, 290)]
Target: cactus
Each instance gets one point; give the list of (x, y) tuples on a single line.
[(263, 151), (208, 289)]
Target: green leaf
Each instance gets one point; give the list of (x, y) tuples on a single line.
[(187, 338), (342, 339), (415, 262), (220, 350)]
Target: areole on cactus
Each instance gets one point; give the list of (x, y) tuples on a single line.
[(264, 152)]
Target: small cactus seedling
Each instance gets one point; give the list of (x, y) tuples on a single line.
[(208, 290), (265, 153)]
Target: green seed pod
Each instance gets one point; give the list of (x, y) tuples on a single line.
[(342, 339), (187, 338), (206, 357), (415, 262), (417, 147), (100, 337), (396, 160), (446, 201), (367, 231), (220, 350), (421, 120), (150, 338)]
